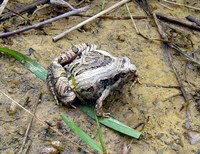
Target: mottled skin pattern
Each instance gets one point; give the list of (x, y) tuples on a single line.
[(96, 73)]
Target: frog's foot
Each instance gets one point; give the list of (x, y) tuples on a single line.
[(105, 115), (100, 113)]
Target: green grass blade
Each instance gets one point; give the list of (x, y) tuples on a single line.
[(32, 65), (81, 134), (41, 72), (112, 123), (100, 135)]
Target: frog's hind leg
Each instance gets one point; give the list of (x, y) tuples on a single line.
[(58, 83), (50, 83)]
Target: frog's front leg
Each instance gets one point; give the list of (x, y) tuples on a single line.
[(99, 103), (58, 83), (106, 92)]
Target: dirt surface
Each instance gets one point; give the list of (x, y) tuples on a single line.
[(155, 109)]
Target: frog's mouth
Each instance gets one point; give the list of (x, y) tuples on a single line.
[(135, 79)]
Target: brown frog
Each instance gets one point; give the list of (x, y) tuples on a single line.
[(89, 74)]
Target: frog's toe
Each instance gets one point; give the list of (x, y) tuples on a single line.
[(103, 114), (106, 115)]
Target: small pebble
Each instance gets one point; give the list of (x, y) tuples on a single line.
[(49, 150), (12, 109), (58, 145), (193, 137), (15, 82), (12, 91)]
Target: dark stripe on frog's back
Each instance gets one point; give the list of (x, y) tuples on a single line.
[(91, 94), (93, 77), (94, 60)]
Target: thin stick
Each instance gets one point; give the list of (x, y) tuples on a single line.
[(172, 45), (178, 21), (170, 97), (160, 29), (188, 6), (179, 79), (81, 2), (165, 6), (45, 22), (160, 86), (3, 5), (135, 26), (29, 125), (138, 32), (28, 146), (44, 123), (62, 3), (59, 36), (23, 9), (193, 19), (113, 17), (136, 29), (18, 15)]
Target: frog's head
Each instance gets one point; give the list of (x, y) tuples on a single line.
[(126, 69)]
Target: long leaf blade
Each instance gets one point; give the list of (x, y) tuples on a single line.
[(112, 123), (32, 65), (81, 133), (100, 135)]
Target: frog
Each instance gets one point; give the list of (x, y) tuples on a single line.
[(89, 74)]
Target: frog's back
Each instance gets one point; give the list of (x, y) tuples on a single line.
[(93, 71)]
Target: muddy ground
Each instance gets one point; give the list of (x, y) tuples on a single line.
[(156, 110)]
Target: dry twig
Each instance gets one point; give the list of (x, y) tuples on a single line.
[(3, 5), (62, 3), (27, 147), (18, 14), (193, 19), (59, 36), (29, 125), (188, 6), (45, 22), (183, 22), (161, 86), (23, 9), (190, 58), (137, 31), (165, 6), (113, 17)]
